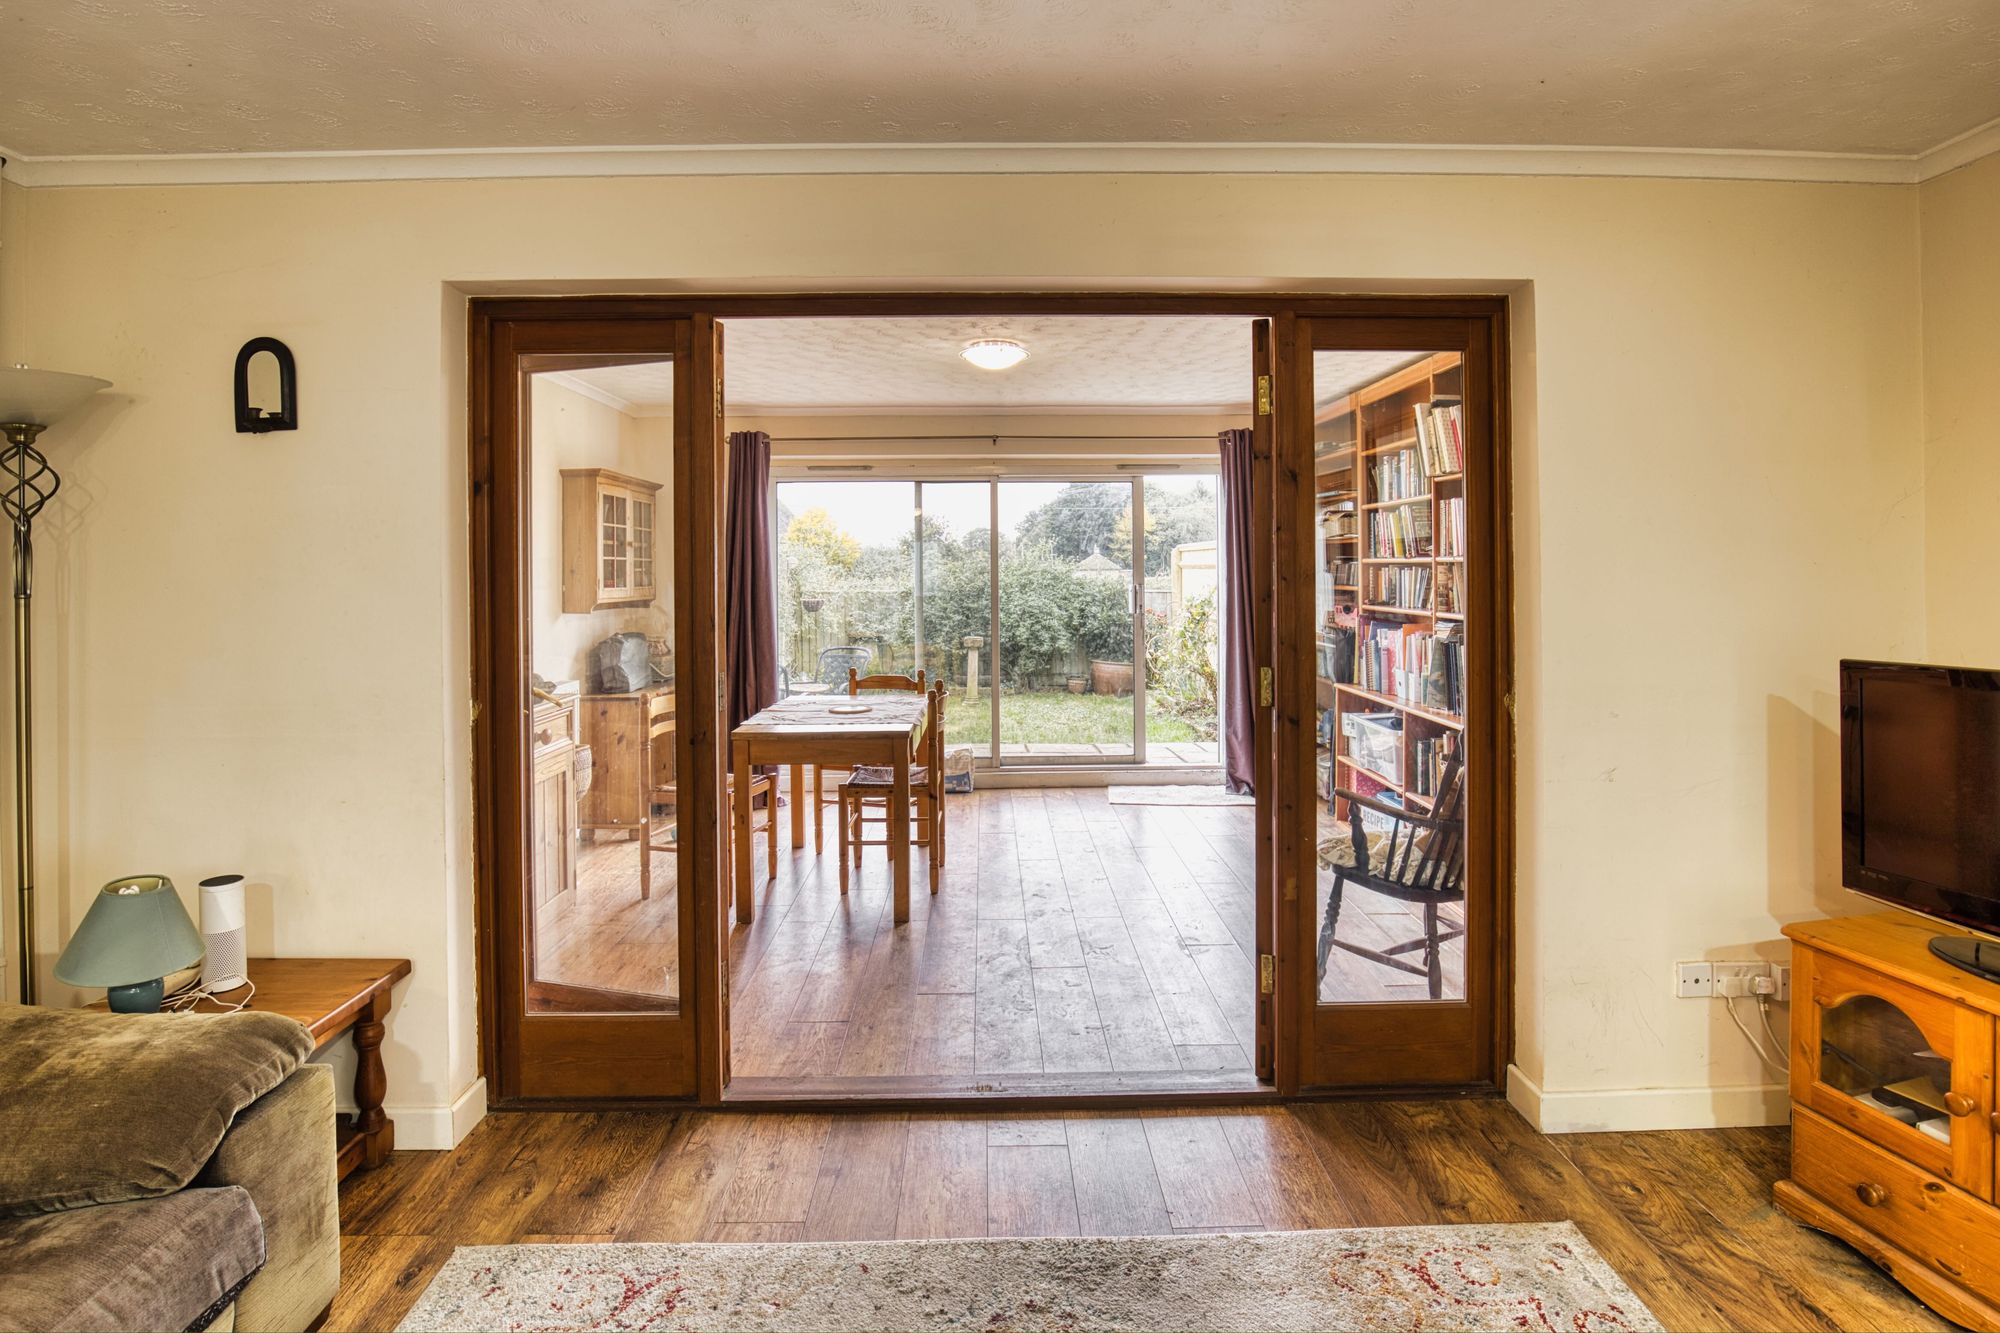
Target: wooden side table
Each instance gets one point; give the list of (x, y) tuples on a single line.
[(331, 996)]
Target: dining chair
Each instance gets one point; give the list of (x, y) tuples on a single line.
[(824, 795), (872, 786)]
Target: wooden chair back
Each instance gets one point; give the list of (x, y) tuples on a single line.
[(1434, 865), (934, 739), (856, 682)]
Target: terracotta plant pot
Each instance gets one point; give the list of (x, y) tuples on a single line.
[(1076, 684), (1110, 677)]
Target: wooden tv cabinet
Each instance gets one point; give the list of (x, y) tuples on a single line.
[(1893, 1115)]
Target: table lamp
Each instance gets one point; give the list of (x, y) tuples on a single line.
[(134, 934)]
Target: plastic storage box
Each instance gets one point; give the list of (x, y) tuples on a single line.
[(1375, 741)]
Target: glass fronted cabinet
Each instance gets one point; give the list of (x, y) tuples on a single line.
[(608, 526), (1899, 1065)]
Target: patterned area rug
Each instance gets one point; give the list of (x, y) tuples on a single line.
[(1539, 1276), (1175, 794)]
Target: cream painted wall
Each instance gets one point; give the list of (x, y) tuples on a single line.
[(254, 648), (566, 430), (1961, 249)]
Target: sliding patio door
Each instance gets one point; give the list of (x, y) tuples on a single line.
[(1074, 621), (1068, 588)]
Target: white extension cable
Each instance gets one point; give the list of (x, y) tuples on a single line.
[(1756, 1043)]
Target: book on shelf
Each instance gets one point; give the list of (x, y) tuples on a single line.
[(1402, 532), (1405, 586), (1401, 475), (1414, 664), (1441, 434), (1451, 589), (1429, 752), (1451, 526), (1346, 573)]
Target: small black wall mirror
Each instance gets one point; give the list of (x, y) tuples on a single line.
[(267, 387)]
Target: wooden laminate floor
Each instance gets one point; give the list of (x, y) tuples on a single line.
[(1685, 1217), (1070, 936)]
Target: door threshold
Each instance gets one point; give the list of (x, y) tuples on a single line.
[(1097, 775), (998, 1091)]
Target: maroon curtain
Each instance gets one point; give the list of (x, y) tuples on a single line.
[(751, 664), (1239, 697)]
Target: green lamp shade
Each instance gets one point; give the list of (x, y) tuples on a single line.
[(135, 931)]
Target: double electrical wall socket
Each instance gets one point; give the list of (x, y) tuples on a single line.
[(1694, 981)]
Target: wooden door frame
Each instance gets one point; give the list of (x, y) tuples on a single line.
[(1288, 724)]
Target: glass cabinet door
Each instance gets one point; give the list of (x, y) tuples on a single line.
[(642, 544), (617, 543), (1905, 1068)]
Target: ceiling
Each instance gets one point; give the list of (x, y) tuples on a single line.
[(90, 77), (846, 365)]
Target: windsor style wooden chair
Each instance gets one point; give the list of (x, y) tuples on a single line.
[(1419, 859)]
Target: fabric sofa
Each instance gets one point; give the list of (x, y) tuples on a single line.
[(164, 1171)]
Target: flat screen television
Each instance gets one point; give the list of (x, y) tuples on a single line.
[(1920, 798)]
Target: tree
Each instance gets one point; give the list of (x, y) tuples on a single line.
[(815, 531), (1174, 517), (1080, 519)]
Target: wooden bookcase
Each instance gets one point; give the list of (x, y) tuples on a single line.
[(1356, 437)]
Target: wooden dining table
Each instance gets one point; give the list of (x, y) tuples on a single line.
[(823, 729)]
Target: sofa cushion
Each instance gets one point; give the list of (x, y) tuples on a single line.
[(127, 1106), (172, 1263)]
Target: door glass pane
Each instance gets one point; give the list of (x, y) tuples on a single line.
[(846, 582), (602, 861), (1183, 631), (1390, 560), (1066, 611), (957, 606)]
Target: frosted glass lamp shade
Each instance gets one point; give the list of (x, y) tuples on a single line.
[(135, 931), (43, 397)]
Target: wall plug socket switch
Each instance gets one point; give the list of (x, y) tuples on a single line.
[(1694, 981)]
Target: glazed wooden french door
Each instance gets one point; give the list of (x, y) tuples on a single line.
[(597, 770), (1393, 730)]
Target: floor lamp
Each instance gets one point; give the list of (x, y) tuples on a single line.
[(30, 402)]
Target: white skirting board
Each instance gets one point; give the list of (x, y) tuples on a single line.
[(439, 1127), (1646, 1108)]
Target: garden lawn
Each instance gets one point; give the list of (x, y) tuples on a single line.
[(1057, 717)]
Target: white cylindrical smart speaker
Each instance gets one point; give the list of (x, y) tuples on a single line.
[(222, 930)]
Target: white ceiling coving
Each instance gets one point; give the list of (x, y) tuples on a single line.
[(911, 366), (123, 77)]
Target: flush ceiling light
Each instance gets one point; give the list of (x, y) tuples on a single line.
[(995, 353)]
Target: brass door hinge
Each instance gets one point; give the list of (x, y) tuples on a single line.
[(1263, 395), (1267, 973), (1264, 686)]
